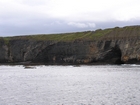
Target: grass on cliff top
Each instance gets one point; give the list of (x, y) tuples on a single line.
[(125, 32), (87, 35), (6, 40)]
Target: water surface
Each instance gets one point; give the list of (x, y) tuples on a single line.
[(69, 85)]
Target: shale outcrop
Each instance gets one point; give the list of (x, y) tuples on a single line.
[(108, 46)]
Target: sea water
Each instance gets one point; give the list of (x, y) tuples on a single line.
[(70, 85)]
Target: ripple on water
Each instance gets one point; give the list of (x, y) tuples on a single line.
[(68, 85)]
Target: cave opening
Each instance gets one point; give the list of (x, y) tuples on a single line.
[(114, 56)]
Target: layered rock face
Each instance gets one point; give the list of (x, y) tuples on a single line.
[(108, 49)]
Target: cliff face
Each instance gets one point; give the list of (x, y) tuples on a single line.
[(3, 52), (108, 49)]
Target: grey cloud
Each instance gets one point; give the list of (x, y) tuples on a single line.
[(24, 17), (37, 26), (22, 23)]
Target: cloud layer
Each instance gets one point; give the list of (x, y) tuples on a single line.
[(20, 17)]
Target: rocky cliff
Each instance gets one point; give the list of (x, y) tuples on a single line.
[(109, 46)]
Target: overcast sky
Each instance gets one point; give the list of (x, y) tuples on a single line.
[(21, 17)]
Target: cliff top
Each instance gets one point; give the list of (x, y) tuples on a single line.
[(115, 33)]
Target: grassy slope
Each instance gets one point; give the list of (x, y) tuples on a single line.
[(129, 31)]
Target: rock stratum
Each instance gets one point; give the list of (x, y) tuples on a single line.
[(108, 46)]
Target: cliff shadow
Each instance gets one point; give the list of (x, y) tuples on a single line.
[(113, 56)]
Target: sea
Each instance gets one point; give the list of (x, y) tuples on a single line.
[(70, 85)]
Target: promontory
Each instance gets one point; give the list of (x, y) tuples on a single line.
[(103, 46)]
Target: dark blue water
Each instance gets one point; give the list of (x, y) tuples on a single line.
[(69, 85)]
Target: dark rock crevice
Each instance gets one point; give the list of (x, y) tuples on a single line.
[(113, 55), (45, 56)]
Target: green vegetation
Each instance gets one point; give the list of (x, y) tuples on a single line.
[(87, 35), (6, 40)]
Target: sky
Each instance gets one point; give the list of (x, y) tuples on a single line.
[(28, 17)]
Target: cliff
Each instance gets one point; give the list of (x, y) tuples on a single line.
[(108, 46)]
